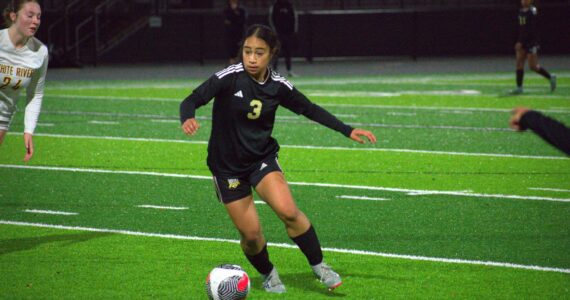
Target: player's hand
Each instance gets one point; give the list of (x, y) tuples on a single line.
[(29, 144), (357, 133), (516, 115), (190, 126), (518, 46)]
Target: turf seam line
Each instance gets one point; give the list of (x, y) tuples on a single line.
[(411, 192), (289, 246)]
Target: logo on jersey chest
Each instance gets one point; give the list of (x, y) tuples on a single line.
[(239, 94)]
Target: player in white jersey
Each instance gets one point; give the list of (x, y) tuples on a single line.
[(23, 65)]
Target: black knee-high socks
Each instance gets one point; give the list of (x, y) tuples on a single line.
[(520, 76), (309, 244), (261, 261)]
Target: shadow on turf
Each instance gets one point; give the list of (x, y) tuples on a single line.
[(305, 282), (508, 94), (15, 245)]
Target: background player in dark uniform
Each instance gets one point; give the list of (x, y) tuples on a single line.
[(235, 19), (550, 130), (283, 20), (242, 154), (528, 44)]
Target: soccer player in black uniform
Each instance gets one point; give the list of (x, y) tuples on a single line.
[(242, 154), (284, 21), (528, 44), (550, 130), (235, 18)]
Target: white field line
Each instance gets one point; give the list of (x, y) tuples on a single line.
[(431, 81), (50, 212), (120, 98), (155, 118), (289, 246), (103, 122), (362, 198), (456, 112), (162, 207), (45, 124), (436, 108), (329, 185), (351, 116), (113, 138), (165, 121), (376, 106), (190, 84), (383, 125), (549, 189), (305, 146), (427, 152), (105, 114), (356, 94), (426, 193), (393, 113), (259, 202), (281, 119)]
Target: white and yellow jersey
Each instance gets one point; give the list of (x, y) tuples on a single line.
[(23, 68)]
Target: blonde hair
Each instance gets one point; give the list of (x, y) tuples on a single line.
[(14, 7)]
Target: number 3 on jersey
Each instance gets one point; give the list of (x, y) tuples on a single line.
[(256, 104)]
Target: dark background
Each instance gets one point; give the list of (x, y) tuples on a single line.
[(193, 30)]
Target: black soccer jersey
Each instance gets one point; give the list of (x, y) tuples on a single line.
[(528, 31), (243, 116)]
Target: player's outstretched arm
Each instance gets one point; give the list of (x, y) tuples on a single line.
[(190, 126), (357, 133)]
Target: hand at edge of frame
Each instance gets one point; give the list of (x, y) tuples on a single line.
[(357, 133), (516, 115)]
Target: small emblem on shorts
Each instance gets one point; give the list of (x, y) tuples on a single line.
[(233, 183), (263, 165)]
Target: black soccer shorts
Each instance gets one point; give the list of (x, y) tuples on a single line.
[(232, 188), (531, 47)]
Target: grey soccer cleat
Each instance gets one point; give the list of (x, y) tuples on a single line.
[(552, 83), (327, 276), (272, 283), (517, 91)]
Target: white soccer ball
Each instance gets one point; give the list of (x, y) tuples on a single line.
[(227, 282)]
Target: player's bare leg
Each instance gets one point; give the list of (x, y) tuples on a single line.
[(245, 218), (274, 190), (533, 64), (521, 55)]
